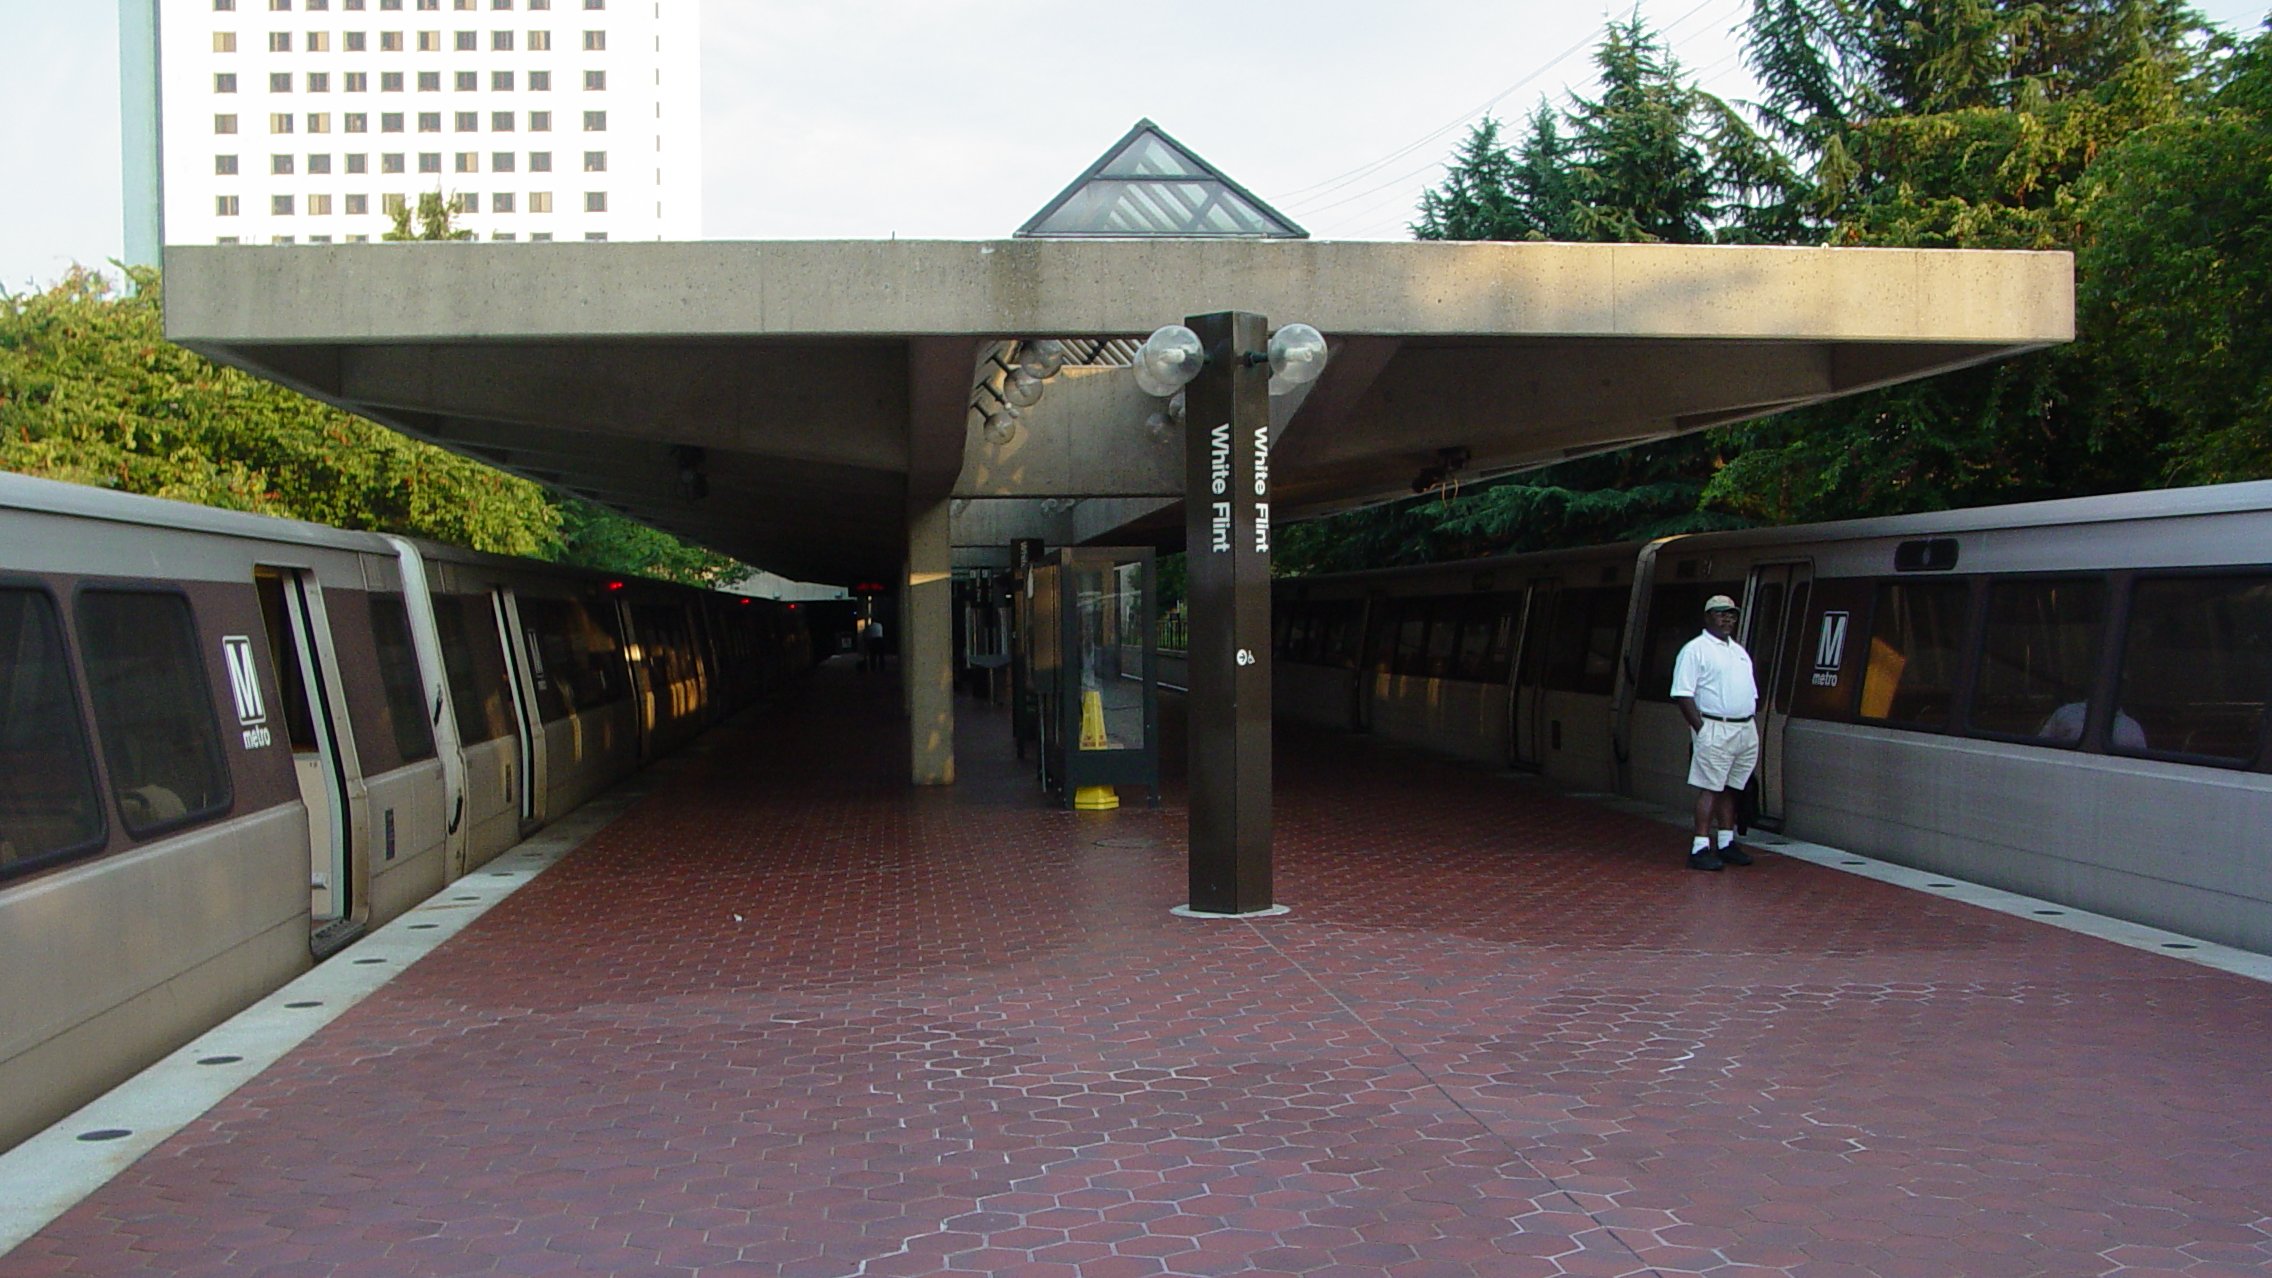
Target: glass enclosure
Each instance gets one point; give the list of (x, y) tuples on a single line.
[(1092, 652)]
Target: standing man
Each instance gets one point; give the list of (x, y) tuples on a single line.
[(1713, 686)]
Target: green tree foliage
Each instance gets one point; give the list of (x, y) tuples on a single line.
[(596, 537), (91, 392), (436, 220)]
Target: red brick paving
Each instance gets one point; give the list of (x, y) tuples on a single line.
[(1502, 1033)]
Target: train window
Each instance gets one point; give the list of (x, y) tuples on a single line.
[(1341, 628), (1410, 617), (1582, 640), (1443, 636), (2037, 659), (1916, 642), (2197, 666), (1794, 641), (1471, 659), (153, 708), (580, 655), (48, 805), (399, 679), (476, 665), (1676, 615)]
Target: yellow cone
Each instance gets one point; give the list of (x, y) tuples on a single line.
[(1092, 721), (1095, 798)]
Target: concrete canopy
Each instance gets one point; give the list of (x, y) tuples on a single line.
[(821, 390)]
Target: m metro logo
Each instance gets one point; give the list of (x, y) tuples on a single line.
[(1830, 650), (244, 685)]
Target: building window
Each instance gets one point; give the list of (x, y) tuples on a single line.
[(502, 202), (318, 6), (502, 235), (225, 165), (225, 239), (390, 42), (540, 4), (392, 205), (352, 5), (468, 41), (225, 82), (429, 161), (501, 41), (595, 161), (429, 42), (319, 122), (355, 82), (390, 81), (596, 237), (540, 82), (463, 5), (224, 124), (390, 162), (540, 121), (319, 82), (595, 121), (356, 122), (224, 6), (319, 42), (468, 203), (280, 205), (280, 122), (358, 163), (469, 162), (501, 162), (225, 205), (279, 82), (540, 161), (319, 164), (358, 205), (500, 122), (353, 41), (468, 121), (279, 42), (500, 4), (319, 239), (429, 122), (319, 206), (278, 164), (279, 6), (429, 82), (390, 121), (595, 4), (501, 81), (595, 80), (540, 201), (595, 201), (280, 239), (224, 42), (540, 41), (468, 81), (595, 41)]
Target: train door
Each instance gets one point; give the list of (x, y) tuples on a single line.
[(291, 606), (1378, 642), (525, 720), (1526, 718), (639, 666), (1779, 595)]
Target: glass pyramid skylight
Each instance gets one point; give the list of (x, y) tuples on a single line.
[(1149, 185)]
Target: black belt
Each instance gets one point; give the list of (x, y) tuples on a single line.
[(1727, 718)]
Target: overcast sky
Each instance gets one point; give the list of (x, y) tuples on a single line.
[(959, 119)]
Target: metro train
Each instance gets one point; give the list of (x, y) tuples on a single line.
[(2064, 699), (231, 744)]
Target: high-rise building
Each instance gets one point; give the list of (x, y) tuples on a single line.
[(310, 121)]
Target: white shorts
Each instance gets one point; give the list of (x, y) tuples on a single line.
[(1724, 755)]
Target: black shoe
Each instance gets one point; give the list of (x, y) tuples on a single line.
[(1734, 854), (1705, 860)]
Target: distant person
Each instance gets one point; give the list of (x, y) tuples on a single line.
[(1712, 683), (872, 643), (2065, 727)]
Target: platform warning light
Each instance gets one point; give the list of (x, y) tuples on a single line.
[(792, 607), (615, 585)]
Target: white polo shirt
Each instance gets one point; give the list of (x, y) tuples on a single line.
[(1717, 673)]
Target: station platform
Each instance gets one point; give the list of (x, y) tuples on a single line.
[(786, 1016)]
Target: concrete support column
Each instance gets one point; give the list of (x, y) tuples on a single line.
[(927, 644)]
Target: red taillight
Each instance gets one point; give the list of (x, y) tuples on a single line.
[(615, 585)]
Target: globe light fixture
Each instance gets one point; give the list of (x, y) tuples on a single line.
[(1023, 389), (1297, 355), (1002, 425), (1168, 360), (1041, 360)]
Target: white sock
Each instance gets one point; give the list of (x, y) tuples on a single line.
[(1698, 845), (1727, 837)]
